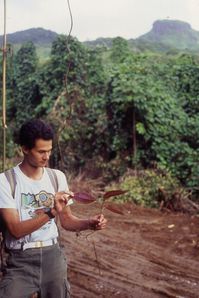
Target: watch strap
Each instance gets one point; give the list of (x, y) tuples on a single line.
[(49, 213)]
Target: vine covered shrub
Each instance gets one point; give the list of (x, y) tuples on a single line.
[(145, 187)]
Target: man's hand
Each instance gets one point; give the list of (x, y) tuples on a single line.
[(61, 199), (97, 222)]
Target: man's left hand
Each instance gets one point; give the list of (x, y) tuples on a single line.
[(97, 222)]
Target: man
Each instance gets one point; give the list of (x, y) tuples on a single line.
[(35, 262)]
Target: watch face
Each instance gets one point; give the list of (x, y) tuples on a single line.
[(46, 209)]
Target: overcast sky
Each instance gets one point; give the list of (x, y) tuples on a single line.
[(96, 18)]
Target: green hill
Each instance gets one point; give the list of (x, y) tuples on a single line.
[(171, 34), (38, 36), (165, 35)]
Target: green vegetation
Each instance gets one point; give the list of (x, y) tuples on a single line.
[(146, 188), (113, 110)]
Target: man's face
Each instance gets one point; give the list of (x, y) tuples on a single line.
[(39, 155)]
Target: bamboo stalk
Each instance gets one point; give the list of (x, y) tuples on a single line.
[(4, 91)]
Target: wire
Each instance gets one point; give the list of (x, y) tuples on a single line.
[(65, 83), (69, 33), (68, 40), (71, 18)]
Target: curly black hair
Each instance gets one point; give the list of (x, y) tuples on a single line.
[(33, 130)]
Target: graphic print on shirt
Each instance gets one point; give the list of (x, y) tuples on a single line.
[(33, 203)]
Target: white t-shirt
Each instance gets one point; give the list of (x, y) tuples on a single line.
[(30, 196)]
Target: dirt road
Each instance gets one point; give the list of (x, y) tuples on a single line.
[(142, 254)]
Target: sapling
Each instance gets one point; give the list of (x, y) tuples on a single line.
[(86, 198)]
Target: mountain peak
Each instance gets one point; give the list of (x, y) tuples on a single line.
[(172, 33), (170, 26), (36, 35)]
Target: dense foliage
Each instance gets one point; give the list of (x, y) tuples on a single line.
[(113, 109), (148, 188)]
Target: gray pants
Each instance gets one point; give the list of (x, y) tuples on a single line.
[(41, 270)]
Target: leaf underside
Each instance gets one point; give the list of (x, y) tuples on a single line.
[(113, 193), (114, 208), (83, 197)]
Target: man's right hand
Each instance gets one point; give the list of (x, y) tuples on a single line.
[(61, 199)]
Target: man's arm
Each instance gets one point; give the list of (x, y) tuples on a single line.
[(19, 229), (72, 223)]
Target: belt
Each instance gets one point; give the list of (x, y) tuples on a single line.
[(36, 244)]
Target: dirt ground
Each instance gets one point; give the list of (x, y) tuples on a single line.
[(144, 253)]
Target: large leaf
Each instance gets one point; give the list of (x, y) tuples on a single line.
[(113, 193), (83, 197), (114, 208)]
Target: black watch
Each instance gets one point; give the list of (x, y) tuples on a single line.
[(48, 211)]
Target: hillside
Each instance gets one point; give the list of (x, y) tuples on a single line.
[(165, 35), (38, 36), (41, 38), (172, 34)]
